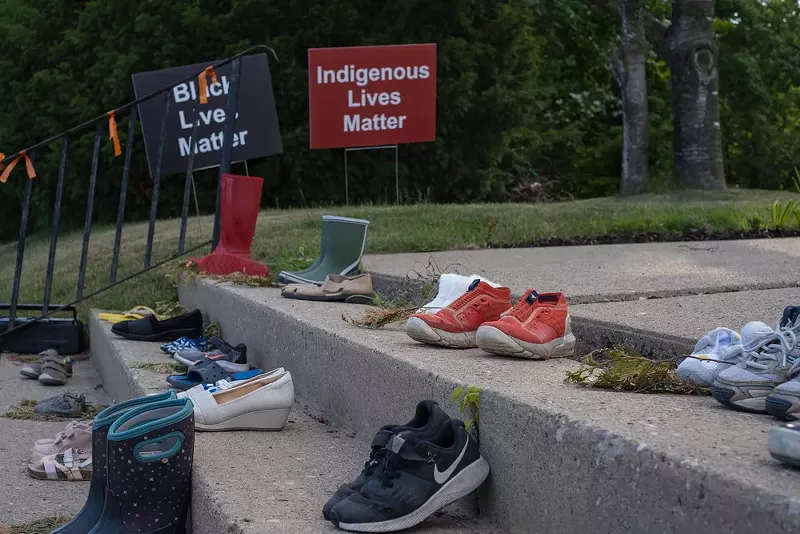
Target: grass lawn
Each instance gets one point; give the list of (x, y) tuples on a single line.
[(290, 238)]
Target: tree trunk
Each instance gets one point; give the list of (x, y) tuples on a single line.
[(629, 67), (692, 59)]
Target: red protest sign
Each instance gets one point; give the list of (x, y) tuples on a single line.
[(372, 95)]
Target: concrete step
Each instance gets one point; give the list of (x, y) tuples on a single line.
[(255, 482), (604, 273), (563, 458)]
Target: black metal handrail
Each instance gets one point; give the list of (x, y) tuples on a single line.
[(98, 122)]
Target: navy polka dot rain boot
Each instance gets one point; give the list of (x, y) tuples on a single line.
[(91, 511), (149, 458)]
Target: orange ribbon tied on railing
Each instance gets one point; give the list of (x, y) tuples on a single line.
[(7, 170), (112, 132), (202, 82)]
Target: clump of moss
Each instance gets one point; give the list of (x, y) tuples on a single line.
[(41, 526), (190, 272), (166, 368), (625, 369), (380, 317)]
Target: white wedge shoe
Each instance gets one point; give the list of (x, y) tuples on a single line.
[(262, 403)]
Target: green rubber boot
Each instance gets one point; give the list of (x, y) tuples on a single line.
[(341, 249)]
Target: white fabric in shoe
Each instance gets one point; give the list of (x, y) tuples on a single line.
[(254, 397), (451, 286), (223, 384)]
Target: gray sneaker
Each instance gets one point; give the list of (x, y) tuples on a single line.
[(771, 360), (69, 404)]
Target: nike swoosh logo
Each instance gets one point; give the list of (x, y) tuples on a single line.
[(442, 476)]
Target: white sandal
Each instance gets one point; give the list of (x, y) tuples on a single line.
[(74, 465)]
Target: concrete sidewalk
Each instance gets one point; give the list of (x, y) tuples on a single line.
[(603, 273), (22, 498)]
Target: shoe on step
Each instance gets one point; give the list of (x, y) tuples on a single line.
[(335, 288), (537, 328), (416, 478), (451, 286), (457, 324), (223, 384), (222, 351), (261, 404), (427, 422), (151, 329), (185, 343), (721, 344), (770, 361), (209, 372)]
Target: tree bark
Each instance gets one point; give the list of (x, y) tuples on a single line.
[(629, 67), (692, 58)]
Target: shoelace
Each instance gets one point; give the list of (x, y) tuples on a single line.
[(390, 465), (374, 461), (773, 346), (519, 311)]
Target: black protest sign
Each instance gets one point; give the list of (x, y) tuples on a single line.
[(255, 132)]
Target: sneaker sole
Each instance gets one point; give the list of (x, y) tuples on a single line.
[(785, 407), (495, 341), (33, 375), (464, 483), (784, 445), (740, 399), (48, 380), (419, 330)]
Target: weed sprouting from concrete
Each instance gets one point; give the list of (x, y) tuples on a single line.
[(379, 317), (625, 369), (212, 329), (189, 272), (469, 404), (169, 308), (166, 368)]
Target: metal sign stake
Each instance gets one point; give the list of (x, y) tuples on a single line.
[(396, 170)]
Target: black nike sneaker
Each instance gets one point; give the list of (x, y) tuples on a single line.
[(415, 478), (427, 422)]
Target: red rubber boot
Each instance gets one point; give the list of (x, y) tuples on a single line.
[(239, 204)]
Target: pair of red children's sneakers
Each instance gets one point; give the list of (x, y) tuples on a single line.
[(537, 327)]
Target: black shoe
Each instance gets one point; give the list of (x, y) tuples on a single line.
[(415, 479), (427, 422), (237, 354), (150, 329)]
